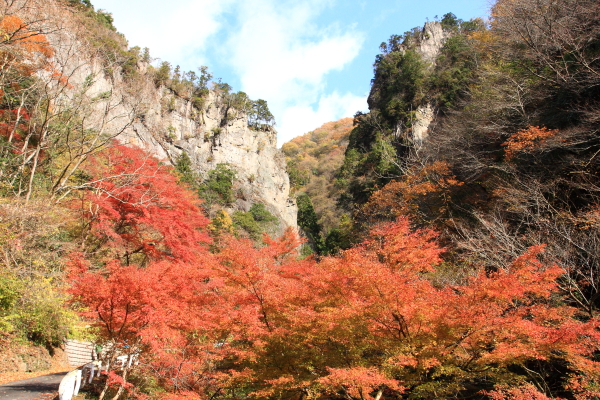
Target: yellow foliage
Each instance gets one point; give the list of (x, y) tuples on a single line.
[(222, 223)]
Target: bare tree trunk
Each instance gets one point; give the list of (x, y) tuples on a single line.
[(32, 174), (122, 387)]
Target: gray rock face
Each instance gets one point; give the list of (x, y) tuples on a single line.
[(135, 112), (423, 118), (429, 45), (209, 138), (431, 42)]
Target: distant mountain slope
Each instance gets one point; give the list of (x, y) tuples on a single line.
[(313, 161)]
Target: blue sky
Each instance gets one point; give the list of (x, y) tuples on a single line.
[(310, 59)]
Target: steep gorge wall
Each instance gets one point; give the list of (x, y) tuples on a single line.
[(428, 45), (431, 42), (135, 112)]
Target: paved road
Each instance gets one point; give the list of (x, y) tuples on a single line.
[(43, 387)]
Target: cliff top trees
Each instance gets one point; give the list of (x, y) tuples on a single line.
[(259, 115), (195, 87)]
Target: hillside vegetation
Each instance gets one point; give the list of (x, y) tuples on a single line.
[(511, 160), (471, 272), (312, 163)]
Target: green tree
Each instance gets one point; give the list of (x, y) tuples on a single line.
[(257, 221), (218, 187), (106, 19), (259, 115), (450, 21), (203, 78), (340, 238), (183, 166), (261, 214), (308, 221), (162, 74)]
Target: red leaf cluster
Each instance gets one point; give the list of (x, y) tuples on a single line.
[(136, 207)]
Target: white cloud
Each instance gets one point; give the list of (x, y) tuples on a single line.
[(176, 33), (185, 33), (283, 56), (300, 119)]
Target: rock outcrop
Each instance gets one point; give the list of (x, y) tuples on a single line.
[(134, 111), (430, 44), (210, 137), (432, 39)]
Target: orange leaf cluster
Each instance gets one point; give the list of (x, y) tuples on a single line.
[(527, 140), (14, 31), (25, 52), (525, 392), (137, 208), (428, 184)]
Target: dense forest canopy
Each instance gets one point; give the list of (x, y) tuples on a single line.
[(465, 265)]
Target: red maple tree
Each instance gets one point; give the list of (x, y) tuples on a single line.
[(133, 209)]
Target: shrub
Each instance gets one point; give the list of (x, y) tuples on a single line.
[(260, 213), (34, 309), (41, 314), (218, 188), (183, 166), (255, 222)]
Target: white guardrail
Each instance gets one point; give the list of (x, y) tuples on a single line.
[(79, 354), (69, 386), (84, 356), (74, 380)]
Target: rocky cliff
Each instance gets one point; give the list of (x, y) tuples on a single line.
[(427, 43), (210, 137), (133, 109)]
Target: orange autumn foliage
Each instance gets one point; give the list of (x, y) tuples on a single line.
[(371, 319), (14, 31), (527, 140), (370, 323), (358, 382), (525, 392), (25, 52), (497, 319), (137, 211), (428, 185)]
